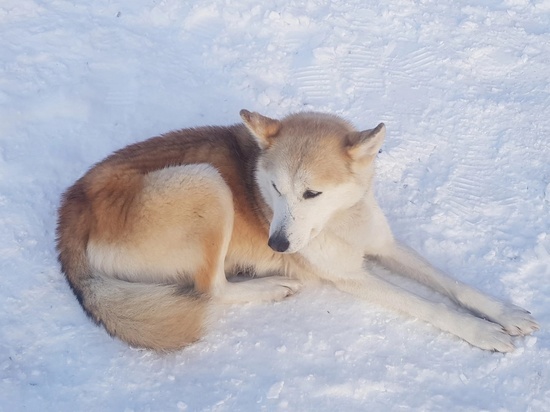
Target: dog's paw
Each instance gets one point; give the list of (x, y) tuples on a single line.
[(489, 336), (517, 321), (269, 289), (290, 286)]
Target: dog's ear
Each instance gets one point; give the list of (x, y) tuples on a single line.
[(365, 143), (263, 128)]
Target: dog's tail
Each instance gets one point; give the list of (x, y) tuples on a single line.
[(154, 316)]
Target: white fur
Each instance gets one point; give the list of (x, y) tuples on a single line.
[(335, 231), (192, 225)]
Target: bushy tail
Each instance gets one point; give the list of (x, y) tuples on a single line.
[(155, 316), (160, 317)]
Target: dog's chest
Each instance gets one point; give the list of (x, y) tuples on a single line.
[(333, 255)]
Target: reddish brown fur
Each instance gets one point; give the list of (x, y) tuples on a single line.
[(103, 212), (99, 205), (147, 236)]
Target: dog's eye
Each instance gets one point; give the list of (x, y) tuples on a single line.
[(310, 194), (275, 187)]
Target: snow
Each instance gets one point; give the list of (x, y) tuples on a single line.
[(464, 177)]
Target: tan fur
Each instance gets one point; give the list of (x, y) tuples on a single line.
[(262, 127), (148, 237), (142, 239), (325, 140)]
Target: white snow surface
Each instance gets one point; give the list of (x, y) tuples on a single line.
[(464, 177)]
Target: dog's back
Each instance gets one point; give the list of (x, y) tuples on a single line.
[(102, 210)]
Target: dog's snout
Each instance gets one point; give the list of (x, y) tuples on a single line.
[(278, 242)]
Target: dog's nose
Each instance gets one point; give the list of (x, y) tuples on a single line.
[(278, 242)]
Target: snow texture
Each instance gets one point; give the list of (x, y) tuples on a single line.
[(464, 177)]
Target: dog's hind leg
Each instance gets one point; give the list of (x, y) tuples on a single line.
[(401, 259), (211, 278), (478, 332)]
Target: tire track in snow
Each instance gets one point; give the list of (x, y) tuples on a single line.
[(466, 188), (315, 82), (340, 72), (361, 65), (419, 64), (418, 61), (346, 66), (470, 193)]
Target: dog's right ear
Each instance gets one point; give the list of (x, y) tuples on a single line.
[(262, 128)]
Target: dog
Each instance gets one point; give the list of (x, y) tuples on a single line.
[(149, 238)]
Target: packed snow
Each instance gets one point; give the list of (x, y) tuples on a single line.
[(464, 176)]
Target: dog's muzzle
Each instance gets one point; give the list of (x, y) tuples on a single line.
[(278, 242)]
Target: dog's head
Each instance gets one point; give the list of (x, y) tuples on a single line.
[(311, 167)]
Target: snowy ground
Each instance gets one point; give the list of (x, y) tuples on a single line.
[(464, 176)]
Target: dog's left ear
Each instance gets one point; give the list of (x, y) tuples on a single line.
[(365, 143), (263, 128)]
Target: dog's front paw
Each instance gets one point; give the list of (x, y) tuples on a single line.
[(489, 336), (291, 285), (268, 289), (517, 321)]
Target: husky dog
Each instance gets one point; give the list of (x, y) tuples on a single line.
[(148, 237)]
